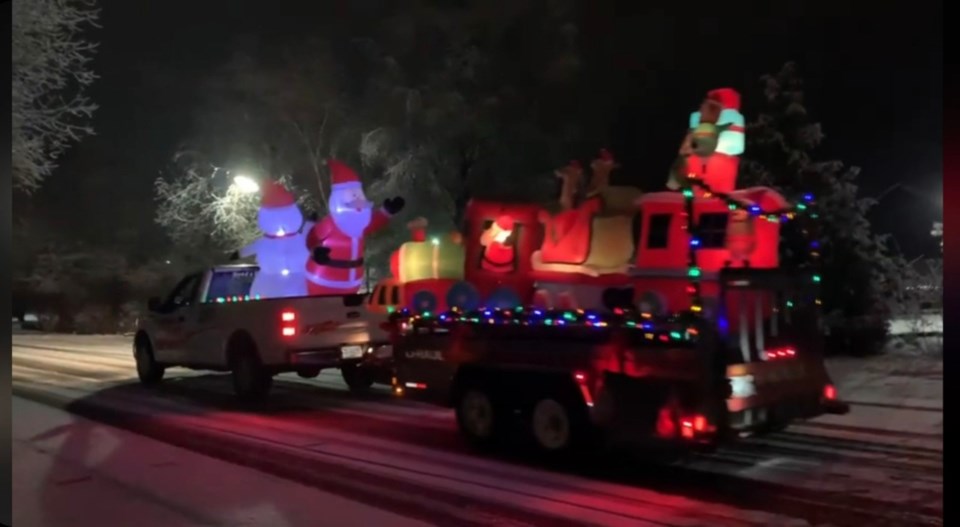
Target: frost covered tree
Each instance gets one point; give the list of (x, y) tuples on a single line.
[(861, 275), (51, 72), (205, 214)]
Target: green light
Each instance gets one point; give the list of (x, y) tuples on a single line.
[(426, 314), (631, 324), (675, 335), (568, 316), (814, 215), (801, 206), (548, 321), (687, 193), (789, 303), (816, 278), (256, 297), (391, 309), (693, 272), (220, 300), (732, 206)]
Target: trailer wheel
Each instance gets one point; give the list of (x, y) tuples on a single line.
[(358, 379), (556, 426), (476, 416), (251, 382), (148, 370)]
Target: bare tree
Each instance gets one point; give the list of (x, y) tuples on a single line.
[(51, 71)]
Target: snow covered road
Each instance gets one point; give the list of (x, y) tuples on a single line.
[(879, 465)]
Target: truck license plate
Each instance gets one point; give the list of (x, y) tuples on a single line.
[(352, 352)]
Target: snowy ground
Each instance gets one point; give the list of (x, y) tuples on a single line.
[(879, 465), (921, 324)]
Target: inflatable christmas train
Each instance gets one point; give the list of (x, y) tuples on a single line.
[(604, 246)]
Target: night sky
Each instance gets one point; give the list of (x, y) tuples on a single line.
[(873, 73)]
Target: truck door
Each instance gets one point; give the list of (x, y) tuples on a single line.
[(174, 319)]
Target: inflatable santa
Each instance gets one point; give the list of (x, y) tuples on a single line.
[(336, 241), (282, 250)]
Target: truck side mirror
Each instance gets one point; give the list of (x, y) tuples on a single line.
[(153, 304)]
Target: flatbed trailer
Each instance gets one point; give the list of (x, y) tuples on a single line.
[(570, 378)]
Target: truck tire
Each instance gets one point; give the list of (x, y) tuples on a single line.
[(251, 382), (148, 370), (309, 374), (357, 379), (477, 416), (557, 425)]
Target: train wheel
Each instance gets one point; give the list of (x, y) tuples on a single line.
[(424, 301), (463, 296)]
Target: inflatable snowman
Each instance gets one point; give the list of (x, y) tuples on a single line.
[(282, 250)]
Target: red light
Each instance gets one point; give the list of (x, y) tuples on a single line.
[(699, 423), (829, 392), (790, 352), (617, 311), (579, 376), (289, 331), (288, 316)]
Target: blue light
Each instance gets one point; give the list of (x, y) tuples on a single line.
[(755, 209), (808, 197), (537, 312), (815, 244), (694, 242)]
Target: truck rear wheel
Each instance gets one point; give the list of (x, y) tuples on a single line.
[(251, 382), (309, 374), (477, 416), (148, 370), (358, 379), (556, 425)]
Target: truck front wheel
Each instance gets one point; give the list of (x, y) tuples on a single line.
[(250, 381), (476, 416), (148, 370)]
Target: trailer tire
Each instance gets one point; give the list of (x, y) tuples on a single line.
[(148, 370), (311, 373), (251, 381), (357, 379), (557, 425), (477, 416)]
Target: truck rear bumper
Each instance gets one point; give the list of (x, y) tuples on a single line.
[(336, 357)]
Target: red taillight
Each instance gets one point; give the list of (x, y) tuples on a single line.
[(779, 353), (693, 425), (288, 327), (830, 392)]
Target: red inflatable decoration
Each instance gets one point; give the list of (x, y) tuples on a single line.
[(337, 268), (612, 246)]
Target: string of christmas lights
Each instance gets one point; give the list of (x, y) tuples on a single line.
[(673, 328), (807, 207)]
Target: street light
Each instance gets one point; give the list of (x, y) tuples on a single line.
[(246, 184)]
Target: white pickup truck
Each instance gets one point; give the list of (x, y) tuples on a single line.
[(210, 322)]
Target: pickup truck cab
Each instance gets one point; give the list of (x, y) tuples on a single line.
[(210, 322)]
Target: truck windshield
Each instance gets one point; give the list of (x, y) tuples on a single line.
[(232, 284)]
